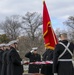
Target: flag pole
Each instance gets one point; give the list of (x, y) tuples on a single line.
[(43, 0)]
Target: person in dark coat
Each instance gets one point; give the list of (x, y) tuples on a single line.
[(14, 65), (62, 57), (1, 53), (33, 57), (46, 69), (4, 60)]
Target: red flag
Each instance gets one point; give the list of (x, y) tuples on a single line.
[(50, 39)]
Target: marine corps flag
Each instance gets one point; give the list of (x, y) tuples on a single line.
[(50, 39)]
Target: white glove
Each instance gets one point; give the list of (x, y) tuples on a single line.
[(55, 74), (22, 62), (31, 51)]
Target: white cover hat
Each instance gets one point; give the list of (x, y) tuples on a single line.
[(34, 48), (7, 44), (1, 45), (12, 42)]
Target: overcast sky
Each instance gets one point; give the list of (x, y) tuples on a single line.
[(59, 10)]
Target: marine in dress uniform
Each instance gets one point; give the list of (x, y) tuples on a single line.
[(14, 66), (46, 69), (1, 53), (62, 62), (4, 60), (33, 57)]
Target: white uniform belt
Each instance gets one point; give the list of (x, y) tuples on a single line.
[(64, 59)]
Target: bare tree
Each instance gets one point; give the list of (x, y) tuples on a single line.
[(31, 24), (11, 26), (70, 22), (70, 27)]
